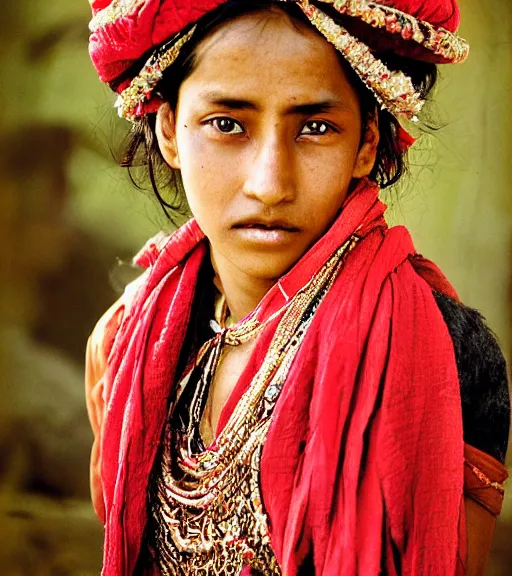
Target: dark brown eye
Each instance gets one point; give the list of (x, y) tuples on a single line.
[(227, 125)]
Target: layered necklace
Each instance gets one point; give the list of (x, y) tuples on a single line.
[(206, 511)]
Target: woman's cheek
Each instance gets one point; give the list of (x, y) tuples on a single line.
[(205, 157), (207, 193)]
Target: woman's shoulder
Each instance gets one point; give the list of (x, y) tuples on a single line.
[(105, 331), (483, 377)]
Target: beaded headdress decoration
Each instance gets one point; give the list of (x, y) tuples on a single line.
[(393, 90)]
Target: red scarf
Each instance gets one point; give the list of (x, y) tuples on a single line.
[(364, 460)]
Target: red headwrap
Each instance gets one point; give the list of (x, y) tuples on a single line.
[(133, 28), (123, 31), (364, 459), (118, 44)]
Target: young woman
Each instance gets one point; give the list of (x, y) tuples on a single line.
[(288, 388)]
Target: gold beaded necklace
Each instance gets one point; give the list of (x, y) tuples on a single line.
[(207, 511)]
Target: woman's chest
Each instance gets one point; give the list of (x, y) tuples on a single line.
[(227, 375)]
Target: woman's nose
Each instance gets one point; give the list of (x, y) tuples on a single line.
[(270, 173)]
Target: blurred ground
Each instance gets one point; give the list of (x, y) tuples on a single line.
[(67, 214)]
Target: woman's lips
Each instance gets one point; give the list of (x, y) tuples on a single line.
[(265, 235)]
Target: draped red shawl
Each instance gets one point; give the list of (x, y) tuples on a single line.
[(363, 465)]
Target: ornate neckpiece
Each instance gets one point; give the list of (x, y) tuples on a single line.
[(207, 514)]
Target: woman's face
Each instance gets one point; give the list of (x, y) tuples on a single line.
[(267, 135)]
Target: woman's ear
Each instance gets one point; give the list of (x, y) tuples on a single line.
[(166, 135), (367, 155)]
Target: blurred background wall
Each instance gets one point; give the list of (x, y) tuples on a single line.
[(67, 213)]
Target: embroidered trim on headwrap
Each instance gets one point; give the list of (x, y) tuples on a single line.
[(393, 90), (440, 41), (130, 103), (113, 12)]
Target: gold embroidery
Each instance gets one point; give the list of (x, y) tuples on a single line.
[(393, 90), (485, 479), (130, 103), (442, 42), (117, 9)]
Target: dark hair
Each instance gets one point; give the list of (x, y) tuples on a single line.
[(141, 148)]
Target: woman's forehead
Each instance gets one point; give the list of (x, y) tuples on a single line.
[(267, 51)]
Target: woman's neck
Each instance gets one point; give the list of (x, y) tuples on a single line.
[(242, 292)]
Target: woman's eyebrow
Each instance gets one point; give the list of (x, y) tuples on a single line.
[(305, 109), (220, 99), (312, 108)]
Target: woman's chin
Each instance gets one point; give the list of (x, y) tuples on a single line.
[(265, 268)]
